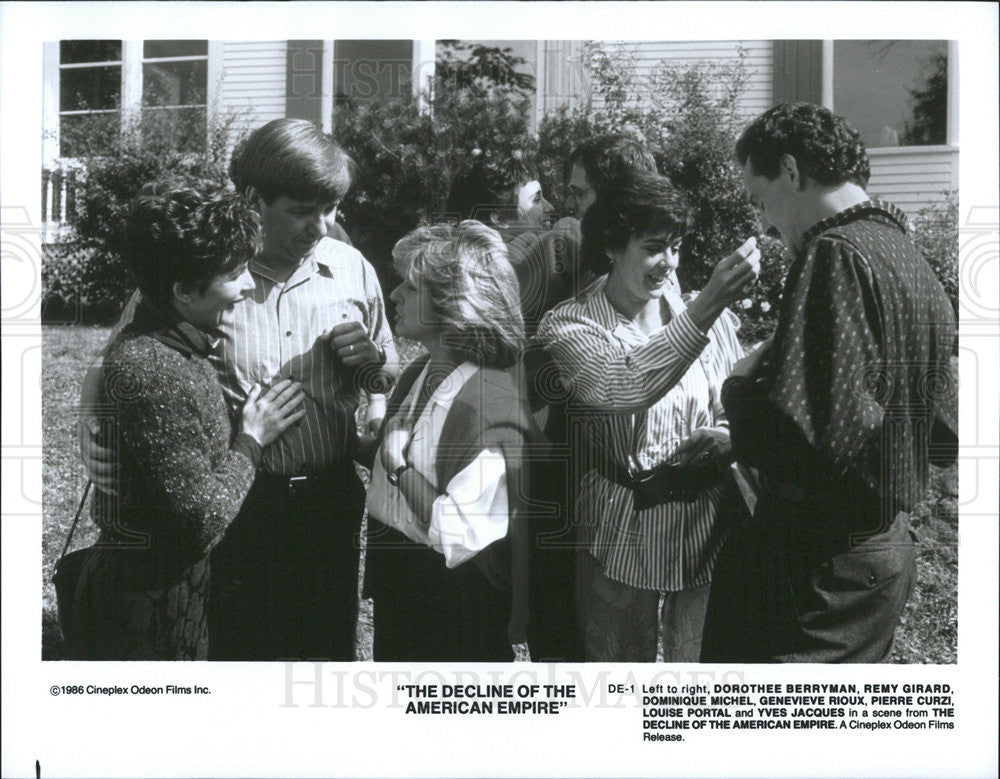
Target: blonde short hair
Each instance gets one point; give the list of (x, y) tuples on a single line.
[(465, 271)]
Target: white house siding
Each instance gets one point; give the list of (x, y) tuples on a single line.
[(251, 82), (757, 96), (912, 177)]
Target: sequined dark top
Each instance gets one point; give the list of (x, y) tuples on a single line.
[(184, 475)]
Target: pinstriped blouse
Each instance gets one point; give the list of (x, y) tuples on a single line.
[(644, 394)]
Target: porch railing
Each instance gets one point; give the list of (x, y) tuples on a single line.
[(59, 190)]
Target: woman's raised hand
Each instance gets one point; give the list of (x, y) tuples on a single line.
[(731, 279), (266, 417)]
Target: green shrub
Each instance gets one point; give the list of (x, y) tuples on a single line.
[(85, 277), (935, 230), (408, 149)]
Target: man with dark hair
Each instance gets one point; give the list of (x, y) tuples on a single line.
[(244, 169), (285, 576), (841, 413), (597, 162), (550, 270)]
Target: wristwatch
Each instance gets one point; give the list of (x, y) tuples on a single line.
[(393, 476)]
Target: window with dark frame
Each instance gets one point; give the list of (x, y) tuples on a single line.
[(175, 90), (171, 87), (90, 85)]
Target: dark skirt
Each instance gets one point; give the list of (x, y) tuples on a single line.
[(426, 612), (124, 611)]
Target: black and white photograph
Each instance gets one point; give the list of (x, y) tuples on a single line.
[(432, 380)]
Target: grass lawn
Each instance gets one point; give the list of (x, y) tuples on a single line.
[(929, 632)]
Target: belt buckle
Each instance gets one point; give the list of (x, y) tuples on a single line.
[(296, 483), (634, 475)]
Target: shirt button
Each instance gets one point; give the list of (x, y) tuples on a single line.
[(289, 333)]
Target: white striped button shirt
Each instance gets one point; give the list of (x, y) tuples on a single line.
[(273, 335), (643, 395)]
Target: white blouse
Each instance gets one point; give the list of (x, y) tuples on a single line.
[(471, 512)]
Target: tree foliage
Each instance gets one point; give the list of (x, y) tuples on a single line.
[(408, 149), (86, 273), (930, 107)]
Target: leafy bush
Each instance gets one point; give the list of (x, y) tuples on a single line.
[(408, 149), (689, 118), (935, 230), (85, 276)]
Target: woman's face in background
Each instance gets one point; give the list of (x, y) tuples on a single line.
[(532, 207)]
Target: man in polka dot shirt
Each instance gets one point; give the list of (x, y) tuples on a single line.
[(841, 412)]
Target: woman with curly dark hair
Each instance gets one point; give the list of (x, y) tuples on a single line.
[(184, 470), (643, 369)]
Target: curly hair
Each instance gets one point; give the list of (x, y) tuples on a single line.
[(487, 186), (607, 157), (181, 236), (474, 292), (826, 148), (294, 158), (639, 203)]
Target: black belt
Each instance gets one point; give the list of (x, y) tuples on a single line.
[(666, 482)]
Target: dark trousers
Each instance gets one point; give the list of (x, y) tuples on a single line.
[(425, 612), (285, 575), (790, 587)]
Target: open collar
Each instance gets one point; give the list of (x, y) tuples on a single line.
[(324, 259), (599, 308)]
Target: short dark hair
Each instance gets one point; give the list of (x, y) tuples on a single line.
[(182, 236), (486, 185), (294, 158), (638, 203), (826, 148), (606, 158)]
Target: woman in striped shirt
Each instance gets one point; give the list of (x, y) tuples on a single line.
[(643, 370)]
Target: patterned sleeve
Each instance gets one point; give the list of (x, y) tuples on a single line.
[(601, 373), (818, 389), (160, 427)]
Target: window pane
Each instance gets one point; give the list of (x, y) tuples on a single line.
[(90, 88), (189, 126), (174, 83), (89, 51), (85, 135), (895, 93), (151, 49)]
